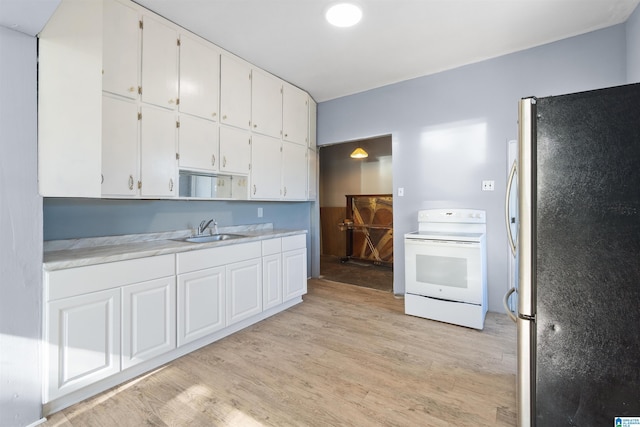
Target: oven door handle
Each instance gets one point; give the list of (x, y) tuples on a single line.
[(447, 243)]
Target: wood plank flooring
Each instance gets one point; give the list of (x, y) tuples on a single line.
[(346, 356)]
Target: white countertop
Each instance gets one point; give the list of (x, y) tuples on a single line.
[(62, 254)]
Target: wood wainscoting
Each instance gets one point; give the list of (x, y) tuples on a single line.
[(333, 240)]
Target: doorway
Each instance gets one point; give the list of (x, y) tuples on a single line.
[(356, 243)]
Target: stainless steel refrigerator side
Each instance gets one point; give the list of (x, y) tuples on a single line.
[(525, 391)]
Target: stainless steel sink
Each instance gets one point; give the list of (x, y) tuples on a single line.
[(212, 238)]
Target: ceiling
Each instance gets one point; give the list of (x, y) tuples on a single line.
[(396, 39)]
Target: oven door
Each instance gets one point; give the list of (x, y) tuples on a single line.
[(448, 270)]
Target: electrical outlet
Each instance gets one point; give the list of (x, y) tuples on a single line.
[(260, 212), (488, 185)]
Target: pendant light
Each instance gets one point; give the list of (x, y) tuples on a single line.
[(359, 153)]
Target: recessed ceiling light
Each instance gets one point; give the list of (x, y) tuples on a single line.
[(344, 14)]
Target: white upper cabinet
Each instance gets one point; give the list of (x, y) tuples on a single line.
[(70, 101), (294, 171), (157, 152), (266, 104), (313, 114), (199, 77), (312, 174), (198, 144), (120, 159), (101, 64), (235, 92), (121, 49), (295, 114), (235, 151), (266, 167), (159, 63)]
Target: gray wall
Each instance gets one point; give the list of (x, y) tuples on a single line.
[(450, 130), (75, 218), (20, 233), (633, 47)]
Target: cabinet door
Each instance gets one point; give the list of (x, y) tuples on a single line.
[(295, 114), (159, 63), (148, 320), (201, 304), (294, 273), (119, 147), (198, 144), (69, 100), (157, 152), (244, 290), (271, 281), (235, 150), (82, 337), (235, 92), (266, 104), (266, 167), (121, 49), (199, 78), (312, 174), (294, 171), (313, 113)]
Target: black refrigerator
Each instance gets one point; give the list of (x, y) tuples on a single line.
[(578, 317)]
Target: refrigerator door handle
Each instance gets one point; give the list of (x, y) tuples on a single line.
[(507, 217), (505, 304), (526, 189)]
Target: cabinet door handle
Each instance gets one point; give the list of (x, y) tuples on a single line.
[(130, 182), (132, 89), (285, 191), (172, 101), (255, 125), (214, 114), (213, 160), (101, 178), (224, 161), (224, 117), (254, 189), (170, 184)]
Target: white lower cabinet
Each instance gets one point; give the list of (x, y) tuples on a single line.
[(244, 290), (294, 266), (271, 273), (217, 287), (82, 341), (148, 320), (107, 323), (201, 304)]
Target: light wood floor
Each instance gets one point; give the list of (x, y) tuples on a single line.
[(346, 356)]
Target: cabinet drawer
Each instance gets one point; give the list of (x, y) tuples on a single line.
[(294, 242), (271, 246), (83, 280), (214, 257)]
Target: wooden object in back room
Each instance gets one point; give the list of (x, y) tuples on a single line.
[(369, 235)]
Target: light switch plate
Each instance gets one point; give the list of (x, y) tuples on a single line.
[(400, 191)]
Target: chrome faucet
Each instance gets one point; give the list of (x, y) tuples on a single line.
[(204, 224)]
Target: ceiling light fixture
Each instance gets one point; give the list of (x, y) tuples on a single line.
[(359, 153), (344, 15)]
